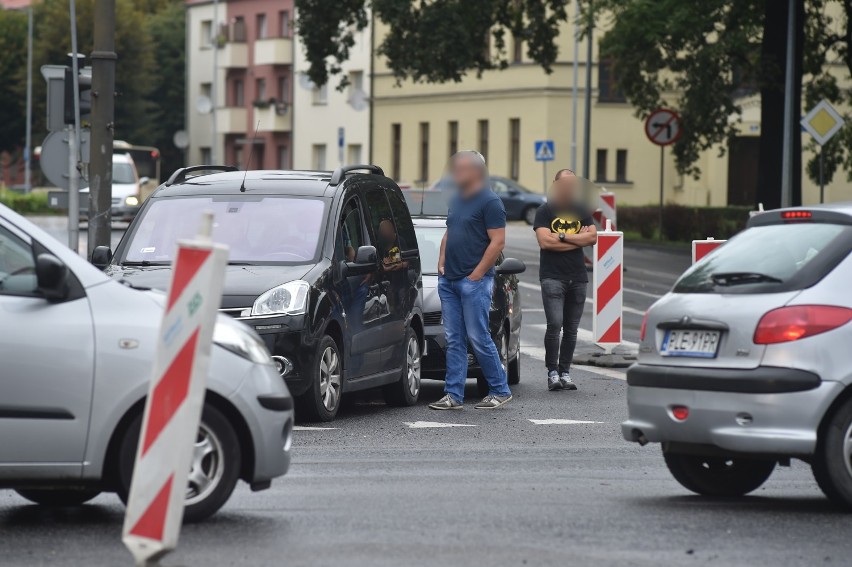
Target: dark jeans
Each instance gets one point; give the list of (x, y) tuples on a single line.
[(563, 306)]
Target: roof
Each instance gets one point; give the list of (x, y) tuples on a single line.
[(431, 221), (257, 182)]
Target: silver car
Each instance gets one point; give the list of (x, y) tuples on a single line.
[(747, 362), (75, 361)]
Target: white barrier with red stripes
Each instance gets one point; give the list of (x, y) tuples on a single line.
[(701, 248), (606, 211), (608, 289), (175, 398)]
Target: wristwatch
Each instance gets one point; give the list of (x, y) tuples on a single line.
[(561, 237)]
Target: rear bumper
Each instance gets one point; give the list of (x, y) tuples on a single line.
[(780, 418), (760, 380)]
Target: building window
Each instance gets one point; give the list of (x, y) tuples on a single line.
[(260, 89), (319, 157), (517, 49), (483, 138), (261, 26), (238, 156), (600, 171), (621, 166), (453, 136), (238, 97), (283, 88), (283, 157), (206, 34), (206, 89), (515, 148), (424, 151), (284, 23), (239, 34), (608, 90), (354, 154), (206, 156), (320, 94), (396, 148)]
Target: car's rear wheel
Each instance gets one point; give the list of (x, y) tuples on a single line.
[(59, 497), (406, 390), (832, 463), (215, 468), (718, 476), (322, 399), (529, 214)]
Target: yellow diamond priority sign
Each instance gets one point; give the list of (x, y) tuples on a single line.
[(822, 122)]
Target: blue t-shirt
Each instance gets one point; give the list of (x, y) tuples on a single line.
[(468, 221)]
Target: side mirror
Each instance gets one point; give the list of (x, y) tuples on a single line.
[(51, 277), (511, 266), (144, 180), (101, 257), (366, 261)]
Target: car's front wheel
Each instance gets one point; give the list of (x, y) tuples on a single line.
[(215, 469), (718, 476), (406, 390), (59, 497), (832, 464), (322, 399)]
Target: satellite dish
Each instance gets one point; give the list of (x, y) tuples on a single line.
[(305, 82), (181, 139), (359, 101), (203, 105)]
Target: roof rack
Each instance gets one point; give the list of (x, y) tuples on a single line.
[(179, 176), (341, 172)]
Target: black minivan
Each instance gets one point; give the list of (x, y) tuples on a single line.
[(324, 266)]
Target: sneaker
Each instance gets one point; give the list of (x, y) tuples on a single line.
[(446, 403), (566, 382), (553, 382), (493, 402)]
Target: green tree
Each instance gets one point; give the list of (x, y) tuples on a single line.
[(13, 45)]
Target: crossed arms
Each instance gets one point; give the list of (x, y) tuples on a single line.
[(547, 240)]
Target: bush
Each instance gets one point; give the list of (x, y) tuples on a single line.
[(26, 204), (683, 224)]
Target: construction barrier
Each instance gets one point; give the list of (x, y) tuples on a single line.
[(606, 210), (608, 256), (175, 398), (701, 248)]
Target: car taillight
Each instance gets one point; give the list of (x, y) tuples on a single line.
[(643, 327), (799, 321)]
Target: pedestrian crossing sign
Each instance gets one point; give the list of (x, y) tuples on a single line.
[(544, 150)]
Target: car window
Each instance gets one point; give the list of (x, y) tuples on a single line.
[(17, 265), (407, 238), (350, 232), (384, 227), (429, 241), (122, 173), (767, 256), (499, 187), (257, 230)]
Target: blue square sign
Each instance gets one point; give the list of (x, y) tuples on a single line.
[(544, 150)]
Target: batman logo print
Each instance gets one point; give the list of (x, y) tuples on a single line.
[(566, 225)]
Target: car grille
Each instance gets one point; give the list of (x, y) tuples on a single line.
[(432, 318), (116, 200), (234, 311)]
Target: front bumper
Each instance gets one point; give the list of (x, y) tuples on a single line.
[(764, 411)]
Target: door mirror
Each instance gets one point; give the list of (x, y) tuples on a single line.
[(366, 261), (511, 266), (101, 257), (51, 277), (144, 180)]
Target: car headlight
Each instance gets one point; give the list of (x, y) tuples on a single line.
[(241, 342), (131, 200), (286, 299)]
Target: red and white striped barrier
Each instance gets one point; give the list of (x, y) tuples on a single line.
[(701, 248), (607, 284), (606, 211), (175, 398)]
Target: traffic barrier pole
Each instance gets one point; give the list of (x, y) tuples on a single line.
[(701, 248), (175, 397), (607, 285), (606, 211)]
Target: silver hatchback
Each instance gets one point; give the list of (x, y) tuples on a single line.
[(747, 362)]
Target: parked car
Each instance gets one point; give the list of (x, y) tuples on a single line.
[(520, 203), (324, 266), (746, 362), (76, 350), (505, 316)]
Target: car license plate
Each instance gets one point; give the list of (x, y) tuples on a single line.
[(690, 342)]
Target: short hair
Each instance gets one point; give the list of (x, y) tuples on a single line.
[(562, 172), (475, 156)]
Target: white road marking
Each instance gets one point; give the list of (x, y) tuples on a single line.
[(303, 428), (537, 352), (645, 293), (561, 421), (436, 424), (624, 308)]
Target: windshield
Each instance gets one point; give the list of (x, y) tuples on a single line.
[(257, 230), (122, 173), (767, 256), (429, 241)]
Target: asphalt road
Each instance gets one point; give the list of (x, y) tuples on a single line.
[(386, 487)]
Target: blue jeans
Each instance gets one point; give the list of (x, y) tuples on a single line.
[(465, 306)]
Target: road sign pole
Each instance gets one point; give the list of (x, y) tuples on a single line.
[(662, 189), (821, 179), (73, 192), (544, 176)]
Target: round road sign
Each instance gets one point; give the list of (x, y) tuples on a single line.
[(663, 127)]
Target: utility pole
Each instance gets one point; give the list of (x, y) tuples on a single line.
[(574, 88), (215, 87), (103, 111), (587, 123), (74, 140), (789, 110), (28, 184)]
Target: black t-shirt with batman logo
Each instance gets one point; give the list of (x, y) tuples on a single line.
[(568, 265)]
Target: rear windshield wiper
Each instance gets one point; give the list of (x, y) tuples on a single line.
[(736, 278), (144, 263)]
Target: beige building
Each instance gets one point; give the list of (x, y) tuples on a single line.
[(503, 114)]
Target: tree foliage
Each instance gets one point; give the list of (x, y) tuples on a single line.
[(13, 35)]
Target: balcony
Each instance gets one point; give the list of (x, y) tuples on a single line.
[(273, 51), (233, 55), (232, 120), (274, 118)]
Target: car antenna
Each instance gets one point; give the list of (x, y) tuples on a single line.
[(422, 197), (248, 163)]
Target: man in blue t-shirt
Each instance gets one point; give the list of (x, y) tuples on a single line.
[(476, 233)]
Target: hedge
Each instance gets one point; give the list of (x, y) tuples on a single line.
[(683, 224), (26, 204)]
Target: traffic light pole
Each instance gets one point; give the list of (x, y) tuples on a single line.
[(74, 142), (103, 109)]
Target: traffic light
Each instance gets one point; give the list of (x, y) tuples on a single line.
[(84, 86)]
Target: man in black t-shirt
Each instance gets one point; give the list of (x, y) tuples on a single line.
[(563, 227)]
